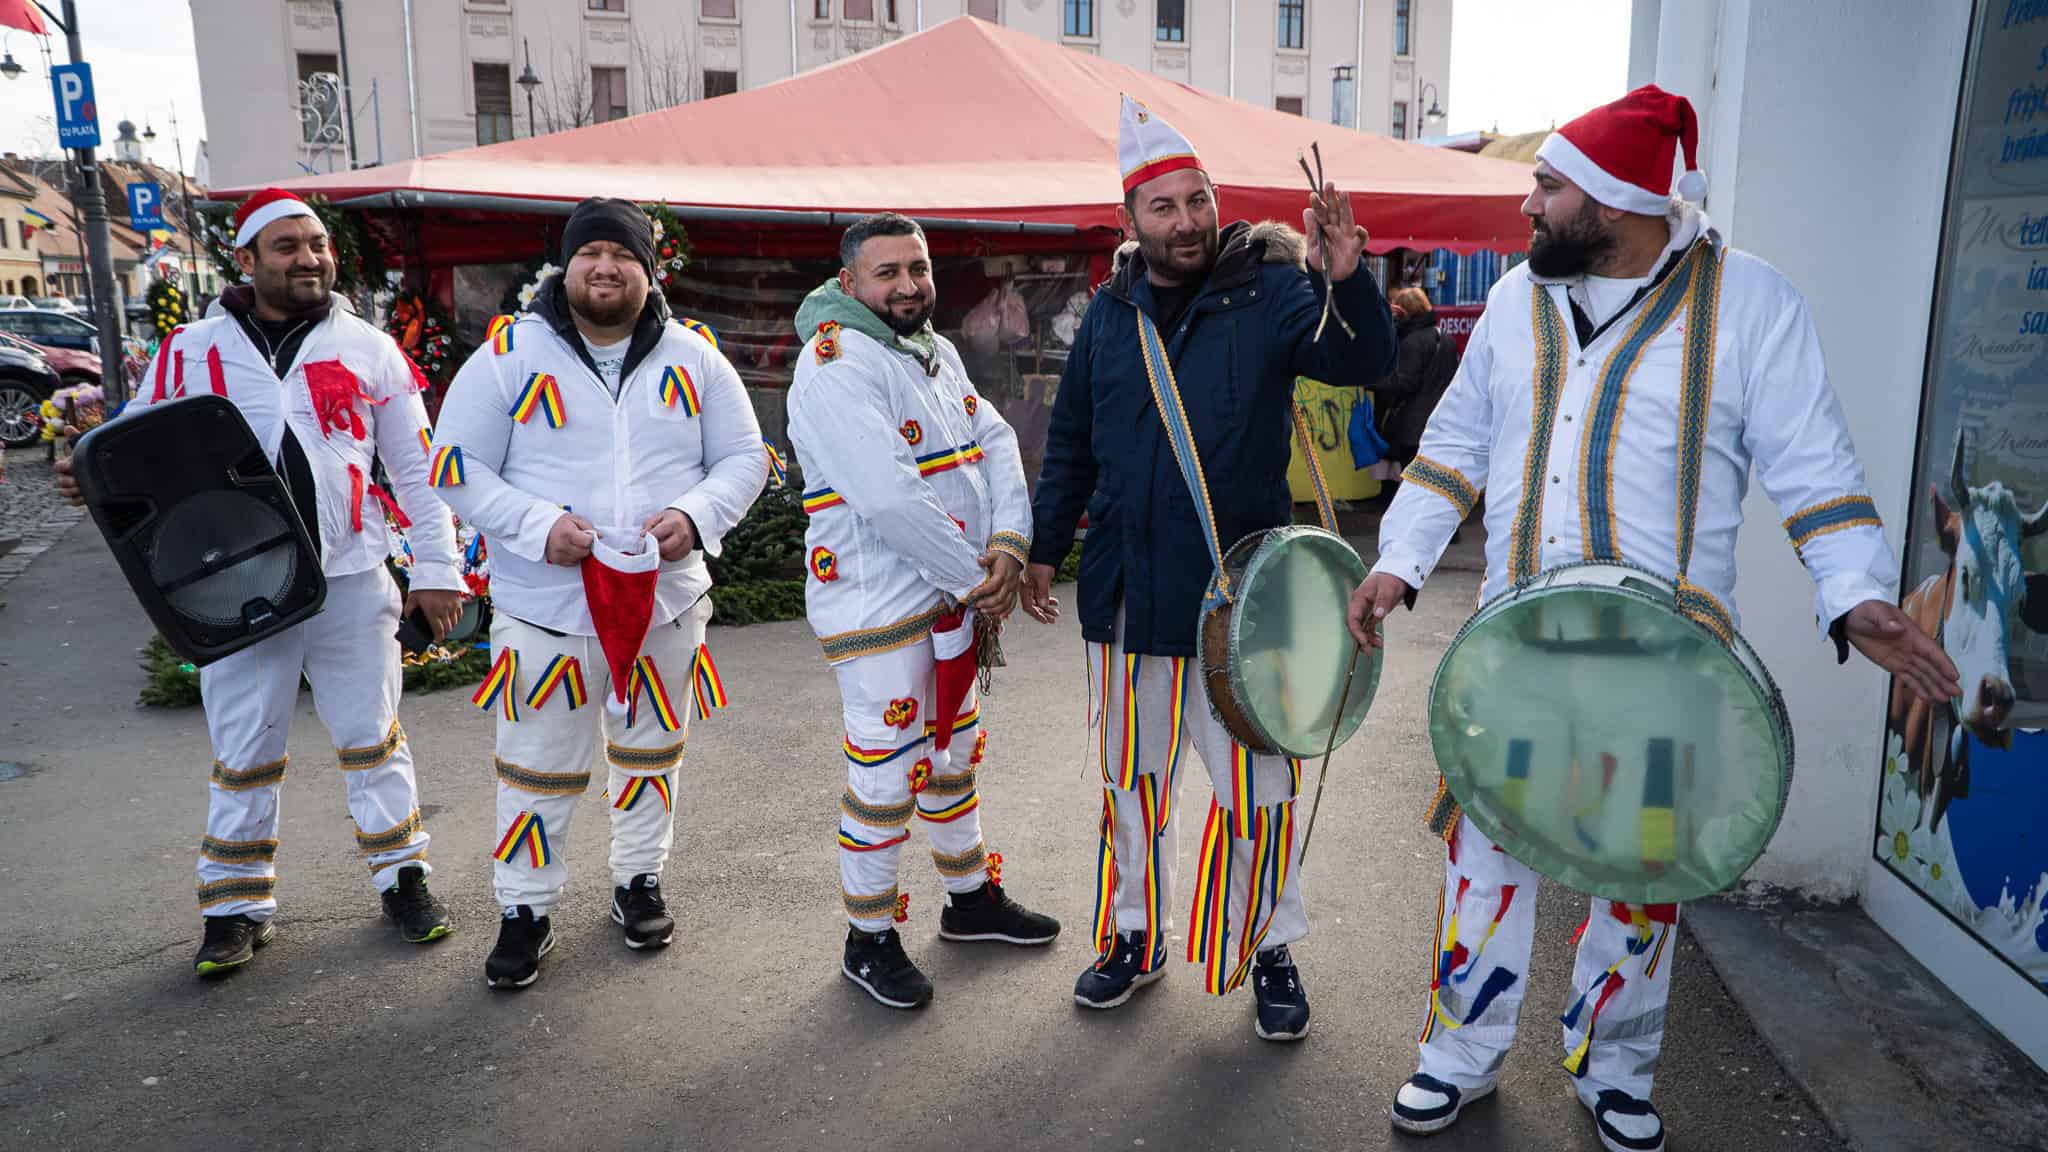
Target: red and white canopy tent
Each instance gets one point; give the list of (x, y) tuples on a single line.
[(992, 130)]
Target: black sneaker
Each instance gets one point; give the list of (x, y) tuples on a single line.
[(640, 910), (1283, 1002), (1111, 981), (1626, 1124), (987, 914), (229, 943), (409, 905), (875, 961), (523, 939), (1426, 1104)]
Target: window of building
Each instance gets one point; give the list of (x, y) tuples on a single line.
[(889, 10), (1293, 26), (861, 10), (492, 86), (821, 9), (719, 9), (720, 83), (989, 10), (1288, 104), (1399, 128), (1173, 22), (607, 94), (1401, 22), (321, 121), (606, 5), (1079, 19)]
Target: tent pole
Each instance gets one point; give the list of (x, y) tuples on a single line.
[(1230, 87), (792, 37)]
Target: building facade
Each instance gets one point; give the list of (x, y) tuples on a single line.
[(1923, 281), (437, 75)]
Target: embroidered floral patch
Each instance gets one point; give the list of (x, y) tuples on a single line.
[(824, 565), (901, 713), (913, 432), (970, 403)]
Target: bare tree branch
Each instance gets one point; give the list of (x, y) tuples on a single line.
[(666, 75), (567, 102)]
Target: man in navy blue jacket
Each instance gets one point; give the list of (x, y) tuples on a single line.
[(1238, 312)]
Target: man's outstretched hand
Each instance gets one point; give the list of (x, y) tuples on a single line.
[(1370, 603), (1890, 640)]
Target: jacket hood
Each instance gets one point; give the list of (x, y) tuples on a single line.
[(551, 303), (1240, 249), (239, 300), (829, 303)]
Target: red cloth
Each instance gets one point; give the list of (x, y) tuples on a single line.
[(23, 15), (335, 392), (952, 679), (621, 608)]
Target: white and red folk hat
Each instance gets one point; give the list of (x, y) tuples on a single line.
[(1148, 147), (1621, 153)]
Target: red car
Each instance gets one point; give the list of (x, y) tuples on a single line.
[(73, 366)]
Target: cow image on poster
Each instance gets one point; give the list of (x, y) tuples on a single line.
[(1973, 607)]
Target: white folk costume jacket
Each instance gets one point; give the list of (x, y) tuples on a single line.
[(909, 478), (349, 398), (529, 430), (1578, 448)]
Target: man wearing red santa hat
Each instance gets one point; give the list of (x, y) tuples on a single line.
[(326, 394), (603, 449), (1618, 270)]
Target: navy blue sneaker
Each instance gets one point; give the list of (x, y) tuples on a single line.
[(1112, 980), (1283, 1002)]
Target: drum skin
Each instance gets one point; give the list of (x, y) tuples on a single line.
[(1608, 742), (1274, 659)]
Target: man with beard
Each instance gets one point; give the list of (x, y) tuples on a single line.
[(585, 437), (1238, 316), (1536, 418), (327, 395), (919, 524)]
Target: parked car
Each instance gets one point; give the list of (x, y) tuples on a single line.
[(62, 304), (73, 366), (26, 380), (50, 329), (15, 302)]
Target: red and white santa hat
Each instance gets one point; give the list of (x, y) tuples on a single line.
[(1148, 147), (1621, 153), (264, 209)]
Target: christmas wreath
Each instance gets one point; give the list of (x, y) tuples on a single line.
[(166, 308), (423, 334)]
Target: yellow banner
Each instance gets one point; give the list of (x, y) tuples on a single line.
[(1329, 422)]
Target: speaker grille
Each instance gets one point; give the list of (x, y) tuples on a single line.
[(198, 538)]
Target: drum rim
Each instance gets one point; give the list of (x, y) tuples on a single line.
[(1773, 699), (1281, 534)]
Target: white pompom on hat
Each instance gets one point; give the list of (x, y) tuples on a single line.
[(1621, 153)]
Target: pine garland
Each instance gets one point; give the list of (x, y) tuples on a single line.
[(173, 683)]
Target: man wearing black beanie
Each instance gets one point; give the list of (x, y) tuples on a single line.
[(587, 433)]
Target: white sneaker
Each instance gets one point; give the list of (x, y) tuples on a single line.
[(1426, 1104), (1626, 1124)]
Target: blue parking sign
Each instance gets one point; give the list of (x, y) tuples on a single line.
[(145, 207), (78, 117)]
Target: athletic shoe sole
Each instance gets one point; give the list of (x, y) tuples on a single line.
[(1142, 979), (619, 918), (1026, 941), (547, 945), (1613, 1144), (264, 931), (1278, 1036), (1428, 1127), (433, 934), (878, 997)]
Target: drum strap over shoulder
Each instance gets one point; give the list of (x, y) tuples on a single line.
[(1695, 398), (1166, 398)]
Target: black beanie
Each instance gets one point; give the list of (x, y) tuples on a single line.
[(619, 221)]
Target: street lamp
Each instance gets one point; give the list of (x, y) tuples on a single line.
[(1435, 112), (149, 132), (528, 81), (10, 67)]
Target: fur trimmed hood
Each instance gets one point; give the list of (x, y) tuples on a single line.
[(1241, 247)]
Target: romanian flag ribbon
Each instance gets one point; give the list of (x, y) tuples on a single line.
[(543, 394), (679, 390), (500, 689), (709, 688), (528, 832), (562, 672)]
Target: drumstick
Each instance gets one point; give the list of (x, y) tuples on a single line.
[(1343, 698)]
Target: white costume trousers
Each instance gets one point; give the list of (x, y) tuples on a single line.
[(894, 769), (349, 653), (1146, 714), (548, 738), (1614, 1026)]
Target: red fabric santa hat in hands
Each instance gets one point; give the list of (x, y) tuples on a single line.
[(1621, 153), (619, 589), (264, 209)]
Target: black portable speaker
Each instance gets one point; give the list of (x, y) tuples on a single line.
[(202, 525)]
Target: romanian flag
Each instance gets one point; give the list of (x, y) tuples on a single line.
[(945, 461), (563, 672), (639, 786), (500, 689), (528, 832), (701, 329), (778, 468), (678, 389), (540, 394), (500, 334), (426, 442), (709, 688), (823, 498), (446, 469), (36, 222), (645, 676)]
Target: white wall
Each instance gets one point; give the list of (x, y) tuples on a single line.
[(1828, 100)]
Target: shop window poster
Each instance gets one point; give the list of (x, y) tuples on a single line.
[(1963, 810)]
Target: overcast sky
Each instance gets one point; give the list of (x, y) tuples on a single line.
[(1515, 64)]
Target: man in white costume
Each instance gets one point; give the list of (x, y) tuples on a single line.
[(326, 394), (603, 449), (919, 523), (1566, 412)]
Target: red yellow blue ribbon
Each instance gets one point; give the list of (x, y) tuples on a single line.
[(500, 688), (529, 832), (562, 671)]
